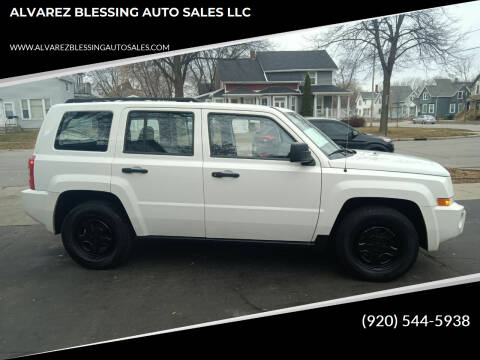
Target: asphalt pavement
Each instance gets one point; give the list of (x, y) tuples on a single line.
[(48, 302)]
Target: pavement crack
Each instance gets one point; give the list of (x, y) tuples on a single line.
[(247, 301), (437, 261)]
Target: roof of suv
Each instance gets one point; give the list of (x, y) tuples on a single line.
[(165, 104)]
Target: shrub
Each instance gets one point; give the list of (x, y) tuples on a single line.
[(355, 121)]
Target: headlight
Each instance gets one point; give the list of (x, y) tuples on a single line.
[(387, 139)]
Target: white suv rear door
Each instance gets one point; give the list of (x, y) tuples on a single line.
[(157, 171)]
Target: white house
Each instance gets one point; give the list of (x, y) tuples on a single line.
[(27, 104), (364, 101)]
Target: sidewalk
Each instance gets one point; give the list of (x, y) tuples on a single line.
[(11, 211)]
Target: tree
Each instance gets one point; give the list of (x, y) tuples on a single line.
[(422, 36), (108, 82), (461, 69), (175, 70), (307, 97), (148, 79)]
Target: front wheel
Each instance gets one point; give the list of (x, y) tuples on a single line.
[(97, 235), (377, 243)]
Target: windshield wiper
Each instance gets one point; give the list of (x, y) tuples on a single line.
[(343, 151)]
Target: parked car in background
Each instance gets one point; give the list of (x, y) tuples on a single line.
[(340, 133), (424, 119)]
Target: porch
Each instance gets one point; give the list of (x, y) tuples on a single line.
[(332, 106)]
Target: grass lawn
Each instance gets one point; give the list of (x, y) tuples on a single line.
[(407, 132), (20, 140), (461, 176)]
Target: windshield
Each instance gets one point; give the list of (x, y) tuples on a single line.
[(324, 143)]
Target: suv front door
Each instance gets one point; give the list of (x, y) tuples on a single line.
[(252, 190)]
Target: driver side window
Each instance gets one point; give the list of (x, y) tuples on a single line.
[(247, 136)]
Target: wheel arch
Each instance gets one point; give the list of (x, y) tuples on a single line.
[(407, 207), (67, 200)]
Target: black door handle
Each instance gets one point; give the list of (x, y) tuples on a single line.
[(219, 174), (134, 170)]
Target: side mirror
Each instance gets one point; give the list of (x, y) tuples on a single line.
[(301, 153), (354, 133)]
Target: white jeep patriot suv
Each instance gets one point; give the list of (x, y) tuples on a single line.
[(104, 172)]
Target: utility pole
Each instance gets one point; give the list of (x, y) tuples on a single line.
[(373, 97)]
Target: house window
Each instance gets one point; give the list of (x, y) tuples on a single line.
[(425, 96), (35, 109), (248, 100), (264, 101), (431, 108), (460, 95), (280, 101), (460, 107), (293, 103), (218, 100), (8, 108), (359, 102), (424, 108), (477, 91), (452, 108), (313, 77)]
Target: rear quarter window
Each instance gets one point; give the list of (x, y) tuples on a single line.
[(84, 131)]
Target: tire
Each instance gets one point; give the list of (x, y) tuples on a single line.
[(96, 235), (376, 243)]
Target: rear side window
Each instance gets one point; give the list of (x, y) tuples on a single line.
[(84, 131), (159, 132)]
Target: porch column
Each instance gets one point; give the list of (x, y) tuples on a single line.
[(315, 105), (338, 107), (348, 105)]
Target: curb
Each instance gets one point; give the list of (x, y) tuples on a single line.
[(436, 138)]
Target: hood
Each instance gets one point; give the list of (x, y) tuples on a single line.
[(384, 161), (382, 138)]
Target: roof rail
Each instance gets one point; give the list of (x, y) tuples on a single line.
[(89, 100)]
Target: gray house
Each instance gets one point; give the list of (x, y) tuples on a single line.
[(276, 78), (402, 102), (444, 99), (27, 104)]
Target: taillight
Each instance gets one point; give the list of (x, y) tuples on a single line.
[(31, 165)]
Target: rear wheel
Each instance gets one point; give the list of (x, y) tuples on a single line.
[(377, 243), (97, 235)]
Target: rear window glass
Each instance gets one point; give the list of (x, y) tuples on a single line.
[(159, 132), (84, 131)]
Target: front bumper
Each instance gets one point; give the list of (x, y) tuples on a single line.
[(451, 220), (446, 222)]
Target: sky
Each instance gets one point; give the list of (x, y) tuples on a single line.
[(468, 20)]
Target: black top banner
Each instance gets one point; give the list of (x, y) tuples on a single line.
[(58, 34)]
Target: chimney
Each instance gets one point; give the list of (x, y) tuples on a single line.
[(252, 54)]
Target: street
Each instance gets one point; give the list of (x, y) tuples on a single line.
[(49, 302), (459, 153)]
